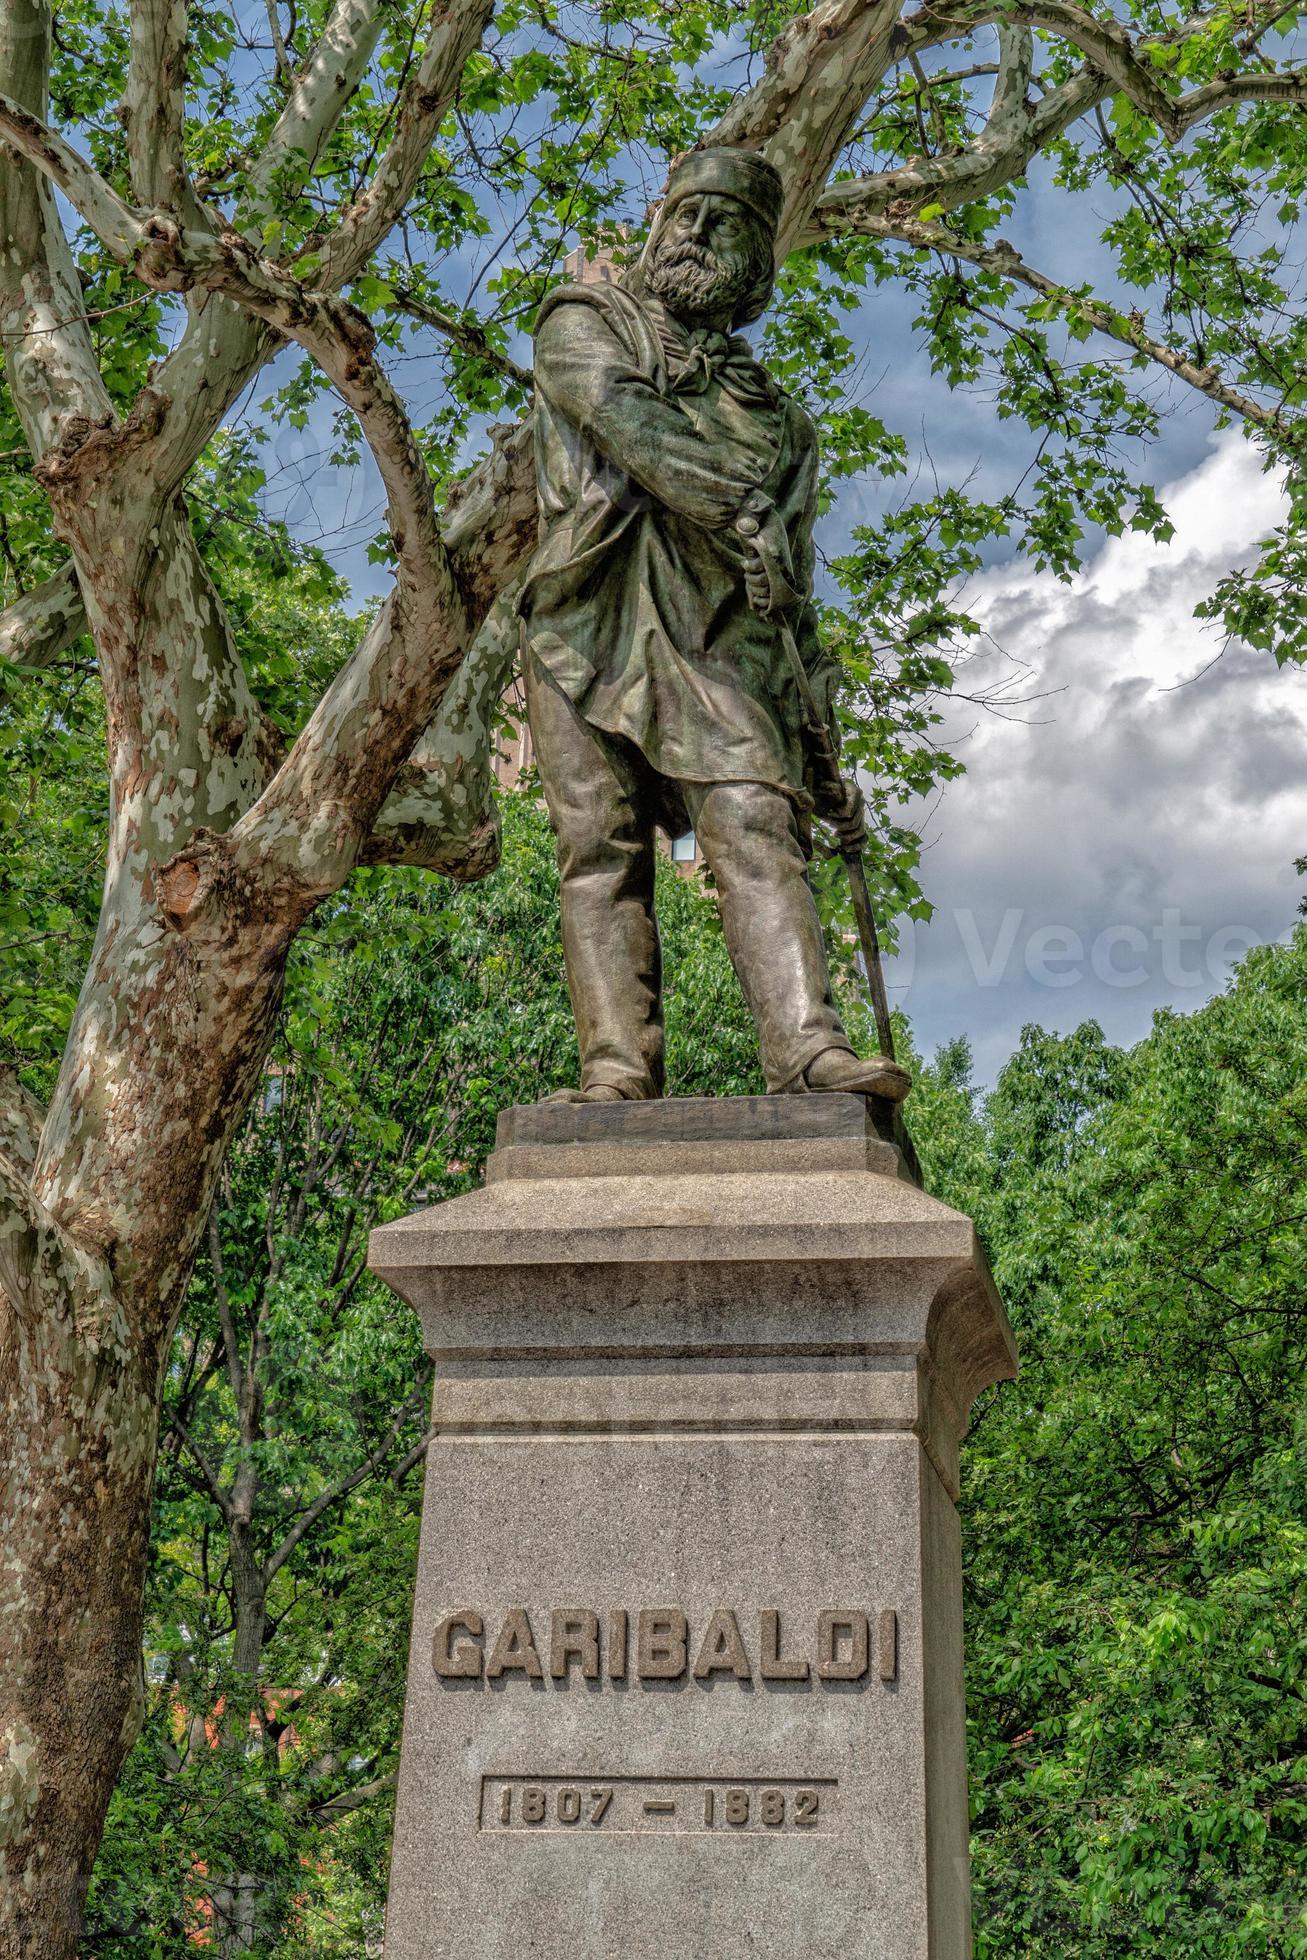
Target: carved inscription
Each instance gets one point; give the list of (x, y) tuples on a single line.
[(729, 1806), (659, 1643)]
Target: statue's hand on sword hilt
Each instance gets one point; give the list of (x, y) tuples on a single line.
[(769, 580), (849, 821)]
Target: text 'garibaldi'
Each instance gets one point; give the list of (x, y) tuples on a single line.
[(678, 489)]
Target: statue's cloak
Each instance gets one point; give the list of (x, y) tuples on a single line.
[(648, 439)]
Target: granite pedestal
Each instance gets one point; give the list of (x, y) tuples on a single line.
[(686, 1665)]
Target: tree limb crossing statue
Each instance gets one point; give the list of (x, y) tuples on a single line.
[(678, 488)]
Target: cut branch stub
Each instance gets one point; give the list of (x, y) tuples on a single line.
[(211, 892)]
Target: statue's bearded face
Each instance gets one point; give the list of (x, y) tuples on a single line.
[(713, 262)]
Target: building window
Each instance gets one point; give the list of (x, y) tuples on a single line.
[(684, 848)]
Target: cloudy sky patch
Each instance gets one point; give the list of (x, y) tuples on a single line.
[(1121, 845)]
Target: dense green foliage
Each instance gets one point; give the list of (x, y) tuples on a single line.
[(1136, 1506), (1135, 1515)]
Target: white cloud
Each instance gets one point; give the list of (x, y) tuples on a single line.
[(1118, 849)]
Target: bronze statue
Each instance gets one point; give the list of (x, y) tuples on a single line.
[(678, 488)]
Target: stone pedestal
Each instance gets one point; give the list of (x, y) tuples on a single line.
[(686, 1667)]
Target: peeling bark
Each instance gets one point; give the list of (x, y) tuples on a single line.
[(78, 1410), (441, 812), (1015, 131), (43, 624), (317, 99), (21, 1117), (1126, 61), (818, 75), (155, 97), (48, 354)]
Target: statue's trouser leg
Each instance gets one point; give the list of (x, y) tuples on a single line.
[(749, 834), (600, 795)]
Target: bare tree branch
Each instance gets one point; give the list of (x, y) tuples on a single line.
[(464, 333), (308, 1518), (410, 1460), (342, 342), (456, 29), (224, 345), (1001, 258), (1126, 62), (51, 363), (155, 102), (230, 1344), (278, 43), (1015, 131), (340, 1806), (317, 100), (212, 1481), (37, 628), (114, 223)]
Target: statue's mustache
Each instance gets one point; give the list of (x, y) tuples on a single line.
[(686, 252)]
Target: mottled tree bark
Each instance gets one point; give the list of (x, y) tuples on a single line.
[(79, 1413)]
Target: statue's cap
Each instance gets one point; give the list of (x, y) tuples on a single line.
[(729, 172)]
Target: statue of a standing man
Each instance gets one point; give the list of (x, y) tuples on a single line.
[(678, 488)]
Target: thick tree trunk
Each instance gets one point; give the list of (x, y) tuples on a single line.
[(78, 1414), (100, 1220), (80, 1378)]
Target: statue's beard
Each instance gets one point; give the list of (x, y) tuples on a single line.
[(700, 286)]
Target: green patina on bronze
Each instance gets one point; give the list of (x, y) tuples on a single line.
[(678, 489), (635, 600)]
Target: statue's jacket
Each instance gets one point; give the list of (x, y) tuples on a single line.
[(649, 438)]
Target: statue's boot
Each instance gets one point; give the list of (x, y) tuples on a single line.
[(840, 1069), (600, 1092)]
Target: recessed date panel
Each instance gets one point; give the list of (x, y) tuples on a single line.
[(774, 1806)]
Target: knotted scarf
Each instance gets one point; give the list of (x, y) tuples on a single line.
[(698, 356)]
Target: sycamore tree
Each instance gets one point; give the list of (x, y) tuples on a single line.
[(181, 199)]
